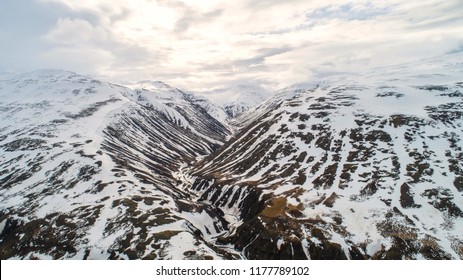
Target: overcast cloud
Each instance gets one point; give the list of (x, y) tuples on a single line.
[(205, 44)]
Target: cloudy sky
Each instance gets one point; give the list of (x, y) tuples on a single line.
[(199, 44)]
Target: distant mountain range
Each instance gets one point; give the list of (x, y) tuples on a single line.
[(239, 99)]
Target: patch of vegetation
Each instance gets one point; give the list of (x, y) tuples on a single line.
[(329, 202), (165, 235), (276, 207), (431, 250)]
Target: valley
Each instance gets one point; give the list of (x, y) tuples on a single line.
[(352, 167)]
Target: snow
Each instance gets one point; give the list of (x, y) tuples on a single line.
[(64, 111), (248, 95), (202, 221), (239, 99), (2, 226), (279, 243)]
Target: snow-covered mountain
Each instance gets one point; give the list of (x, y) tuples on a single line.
[(359, 167), (174, 97), (239, 99), (355, 167), (87, 170)]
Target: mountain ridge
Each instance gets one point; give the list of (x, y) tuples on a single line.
[(340, 166), (87, 171)]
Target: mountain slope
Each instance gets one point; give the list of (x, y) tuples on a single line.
[(87, 170), (359, 167)]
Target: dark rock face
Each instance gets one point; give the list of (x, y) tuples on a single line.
[(406, 198)]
